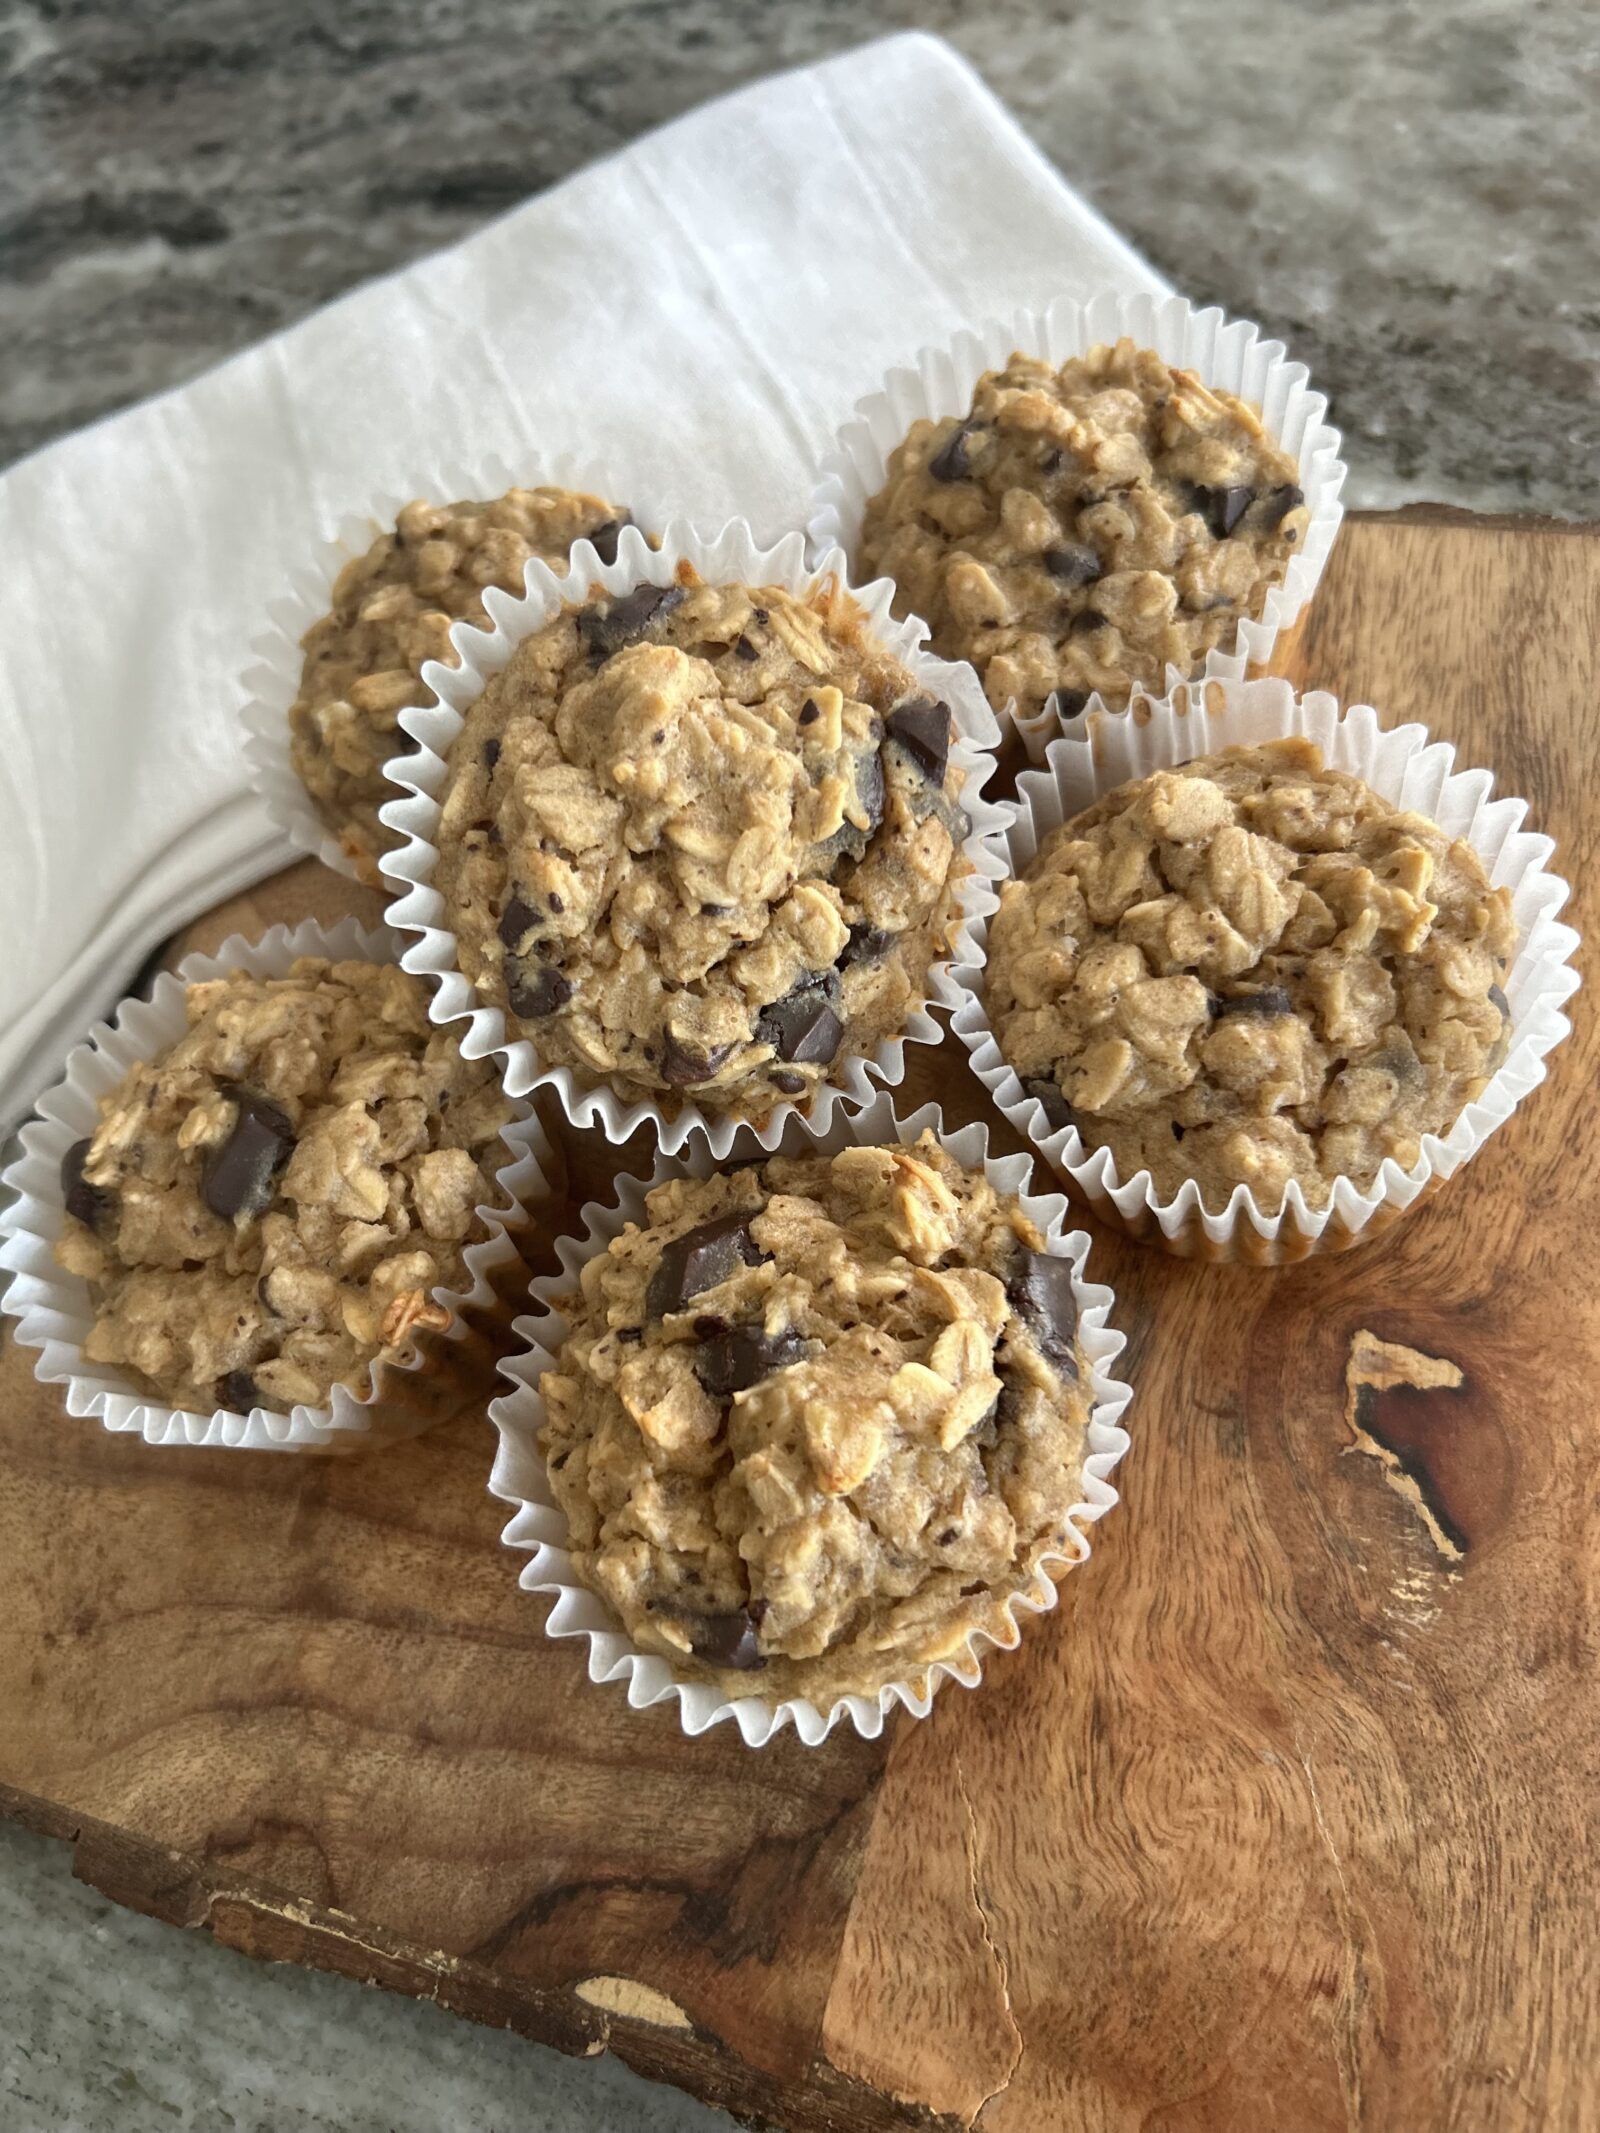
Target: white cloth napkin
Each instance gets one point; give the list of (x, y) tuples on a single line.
[(704, 309)]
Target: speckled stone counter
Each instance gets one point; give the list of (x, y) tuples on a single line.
[(1404, 192)]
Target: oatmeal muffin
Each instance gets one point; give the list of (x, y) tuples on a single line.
[(819, 1419), (266, 1208), (700, 841), (392, 611), (1083, 528), (1252, 970)]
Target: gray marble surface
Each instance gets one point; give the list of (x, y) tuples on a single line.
[(1404, 191)]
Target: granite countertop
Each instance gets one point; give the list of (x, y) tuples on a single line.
[(1403, 192)]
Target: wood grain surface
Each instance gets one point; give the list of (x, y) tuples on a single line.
[(1286, 1818)]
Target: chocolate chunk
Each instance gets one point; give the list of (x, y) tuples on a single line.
[(684, 1067), (953, 461), (1500, 1001), (728, 1640), (603, 540), (491, 753), (700, 1259), (517, 919), (1040, 1290), (715, 910), (788, 1084), (88, 1204), (741, 1356), (708, 1327), (1277, 504), (606, 629), (239, 1390), (802, 1028), (922, 727), (869, 788), (237, 1179), (1052, 459), (810, 712), (867, 944), (1075, 565), (1085, 620), (535, 990), (1057, 1111), (745, 649), (1270, 1000), (1222, 508), (1069, 703)]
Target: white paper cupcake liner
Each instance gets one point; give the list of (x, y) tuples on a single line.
[(1229, 355), (1406, 768), (730, 555), (52, 1307), (540, 1526), (271, 682)]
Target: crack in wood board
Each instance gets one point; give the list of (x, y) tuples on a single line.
[(1373, 1368), (997, 1953)]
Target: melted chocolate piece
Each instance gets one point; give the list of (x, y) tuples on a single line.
[(238, 1176), (869, 788), (867, 944), (606, 629), (684, 1067), (700, 1259), (1057, 1111), (729, 1640), (745, 649), (88, 1204), (1277, 504), (535, 990), (802, 1028), (741, 1356), (1040, 1290), (491, 753), (517, 919), (239, 1390), (603, 540), (1074, 565), (953, 460), (922, 727), (788, 1084), (810, 712), (1070, 703), (1270, 1000), (1222, 508), (1500, 1001)]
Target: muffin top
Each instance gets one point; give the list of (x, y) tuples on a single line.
[(699, 841), (1252, 970), (818, 1419), (266, 1207), (1083, 528), (392, 611)]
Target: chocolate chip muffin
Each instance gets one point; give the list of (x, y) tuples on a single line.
[(819, 1419), (1249, 971), (1085, 527), (701, 841), (266, 1208), (392, 612)]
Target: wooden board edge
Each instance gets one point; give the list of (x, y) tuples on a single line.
[(655, 2038), (1425, 514)]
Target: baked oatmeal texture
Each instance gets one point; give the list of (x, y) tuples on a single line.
[(392, 611), (701, 842), (1084, 527), (818, 1419), (265, 1209), (1252, 970)]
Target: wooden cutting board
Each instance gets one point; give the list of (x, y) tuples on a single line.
[(1285, 1819)]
